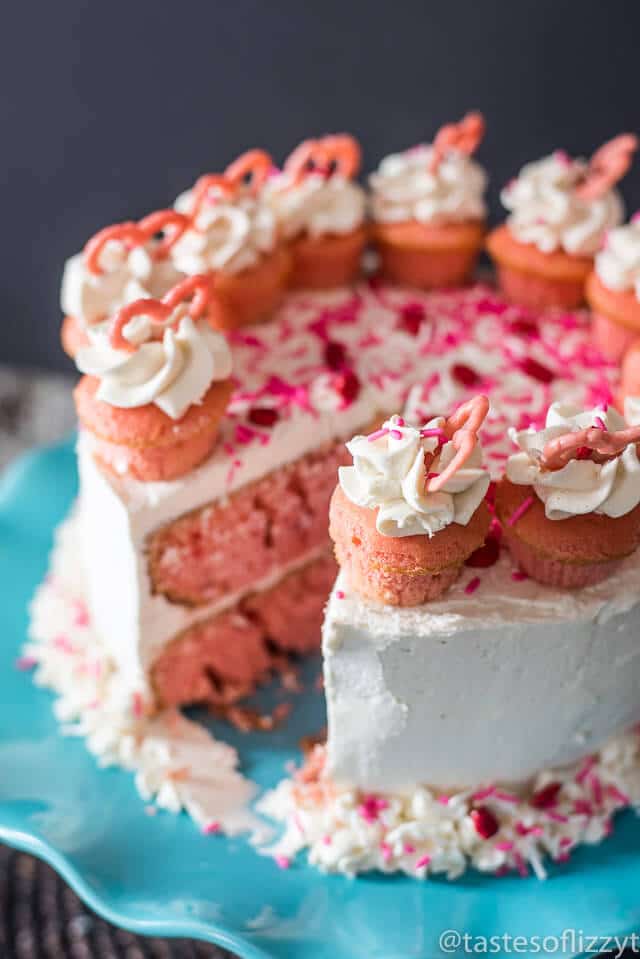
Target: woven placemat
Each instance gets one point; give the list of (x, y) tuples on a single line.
[(41, 918)]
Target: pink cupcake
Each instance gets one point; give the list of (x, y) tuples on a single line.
[(156, 385), (232, 237), (570, 501), (411, 509), (120, 264)]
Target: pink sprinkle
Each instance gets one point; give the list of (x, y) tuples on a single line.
[(472, 585), (385, 849), (80, 614), (504, 845), (556, 816), (587, 766), (444, 800), (521, 865), (64, 644), (211, 828), (25, 663), (137, 705), (371, 807), (599, 422), (505, 797), (437, 432), (282, 862), (565, 841), (327, 840), (617, 794), (483, 793), (339, 594), (372, 437), (582, 807), (520, 511), (400, 421), (423, 861), (396, 434), (596, 787), (519, 575), (409, 848)]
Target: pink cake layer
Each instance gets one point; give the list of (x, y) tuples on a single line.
[(227, 547), (224, 657)]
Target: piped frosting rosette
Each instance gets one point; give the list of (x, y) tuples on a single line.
[(156, 386), (120, 264), (570, 500), (411, 509)]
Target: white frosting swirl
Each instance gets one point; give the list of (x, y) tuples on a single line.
[(545, 211), (316, 206), (582, 486), (127, 275), (404, 189), (618, 263), (389, 473), (228, 235), (632, 410), (174, 373)]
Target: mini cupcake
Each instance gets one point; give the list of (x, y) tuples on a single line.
[(233, 238), (411, 509), (428, 209), (320, 212), (120, 264), (560, 210), (156, 385), (570, 501), (613, 290)]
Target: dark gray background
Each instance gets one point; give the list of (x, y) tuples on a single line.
[(108, 109)]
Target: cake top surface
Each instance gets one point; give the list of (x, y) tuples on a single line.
[(330, 365)]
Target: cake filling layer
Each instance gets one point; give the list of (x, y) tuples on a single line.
[(222, 658)]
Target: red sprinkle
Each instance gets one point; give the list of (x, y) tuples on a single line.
[(412, 316), (472, 585), (465, 375), (536, 370), (211, 828), (486, 555), (484, 821), (523, 327), (263, 416), (519, 575), (339, 594), (335, 355), (347, 385), (547, 796)]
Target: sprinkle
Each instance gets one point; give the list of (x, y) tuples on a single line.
[(465, 375), (409, 848), (444, 800), (506, 797), (371, 807), (472, 585), (137, 705), (519, 575), (485, 822), (504, 845), (556, 816), (372, 437), (26, 663), (400, 421), (263, 416), (546, 796), (483, 793), (536, 370), (618, 795), (438, 432), (423, 861), (64, 644), (396, 434), (282, 862), (339, 594), (599, 422), (486, 555), (565, 841), (80, 614), (385, 849), (347, 385), (335, 355), (520, 511), (211, 828), (412, 316), (327, 840)]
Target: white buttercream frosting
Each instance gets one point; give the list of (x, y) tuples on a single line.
[(228, 235), (174, 373), (127, 275), (582, 486), (404, 188), (632, 410), (618, 263), (390, 473), (317, 205), (545, 210)]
